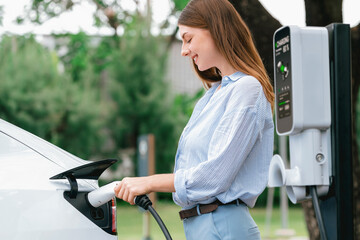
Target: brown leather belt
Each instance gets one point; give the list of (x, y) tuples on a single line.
[(205, 208)]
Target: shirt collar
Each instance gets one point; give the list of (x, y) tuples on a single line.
[(231, 78)]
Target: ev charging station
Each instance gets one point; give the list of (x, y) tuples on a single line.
[(313, 107)]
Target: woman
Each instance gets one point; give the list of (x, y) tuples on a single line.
[(223, 156)]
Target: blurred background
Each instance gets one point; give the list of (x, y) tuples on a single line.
[(91, 76)]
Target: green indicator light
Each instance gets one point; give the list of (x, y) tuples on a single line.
[(282, 103), (275, 45), (282, 68)]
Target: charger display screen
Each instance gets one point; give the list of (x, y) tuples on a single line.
[(284, 104), (282, 61)]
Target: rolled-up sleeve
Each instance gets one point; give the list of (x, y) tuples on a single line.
[(180, 187), (230, 144)]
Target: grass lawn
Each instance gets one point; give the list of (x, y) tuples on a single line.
[(130, 218)]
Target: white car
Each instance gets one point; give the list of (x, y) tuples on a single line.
[(43, 191)]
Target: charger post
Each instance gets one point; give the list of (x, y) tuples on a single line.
[(313, 107)]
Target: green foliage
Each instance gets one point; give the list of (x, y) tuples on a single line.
[(77, 58), (40, 11), (180, 4), (28, 86), (142, 103), (102, 57), (84, 118), (109, 13), (36, 97), (1, 15), (114, 91), (185, 103)]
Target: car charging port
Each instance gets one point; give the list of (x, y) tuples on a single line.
[(103, 213), (97, 213), (102, 216)]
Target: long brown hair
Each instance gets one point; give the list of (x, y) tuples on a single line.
[(232, 37)]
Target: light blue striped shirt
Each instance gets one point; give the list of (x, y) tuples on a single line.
[(225, 149)]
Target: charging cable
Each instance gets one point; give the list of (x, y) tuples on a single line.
[(144, 202), (317, 212)]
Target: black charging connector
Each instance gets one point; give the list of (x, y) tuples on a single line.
[(144, 202)]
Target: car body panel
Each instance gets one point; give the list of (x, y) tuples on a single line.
[(33, 206), (48, 150), (42, 214)]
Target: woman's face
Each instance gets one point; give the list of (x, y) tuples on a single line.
[(200, 47)]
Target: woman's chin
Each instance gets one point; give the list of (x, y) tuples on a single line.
[(201, 68)]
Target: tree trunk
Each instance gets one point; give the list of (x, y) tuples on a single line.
[(318, 13), (323, 12), (310, 219)]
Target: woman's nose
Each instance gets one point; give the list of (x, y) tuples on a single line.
[(185, 52)]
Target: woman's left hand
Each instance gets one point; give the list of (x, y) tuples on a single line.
[(130, 187)]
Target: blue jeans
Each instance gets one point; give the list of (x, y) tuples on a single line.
[(228, 222)]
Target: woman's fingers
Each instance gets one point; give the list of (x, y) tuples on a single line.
[(131, 199), (121, 192), (129, 188), (126, 195), (117, 188)]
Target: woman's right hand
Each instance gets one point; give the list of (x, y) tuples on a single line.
[(130, 187)]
